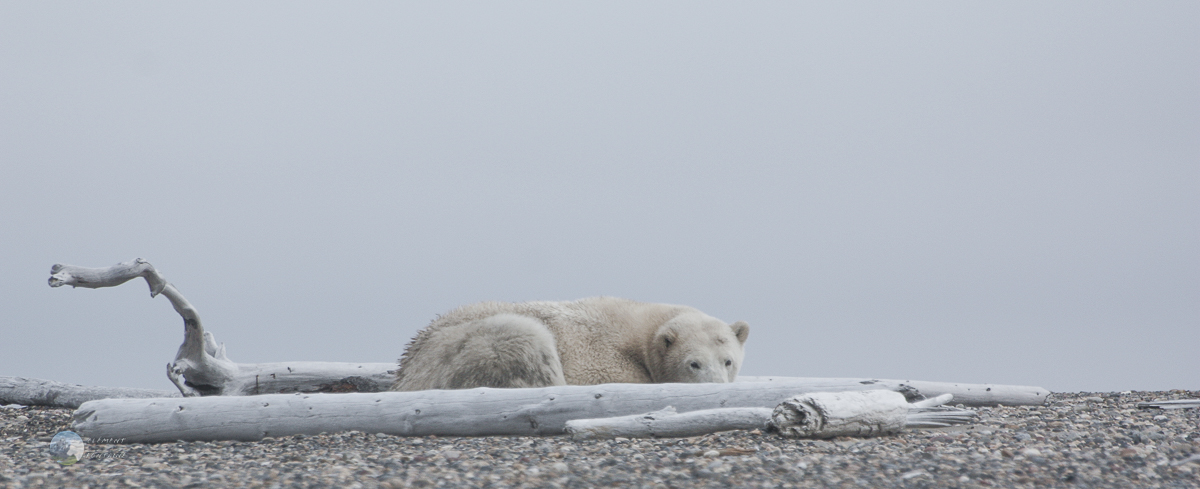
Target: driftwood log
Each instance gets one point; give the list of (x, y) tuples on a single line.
[(863, 413), (38, 392), (1176, 404), (470, 412), (965, 394), (201, 367), (813, 415), (668, 423)]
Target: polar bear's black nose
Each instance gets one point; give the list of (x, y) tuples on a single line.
[(696, 365)]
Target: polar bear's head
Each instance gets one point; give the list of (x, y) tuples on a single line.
[(695, 347)]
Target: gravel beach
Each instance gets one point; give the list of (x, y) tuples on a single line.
[(1075, 440)]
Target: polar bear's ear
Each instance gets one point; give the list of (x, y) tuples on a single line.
[(667, 336), (741, 330)]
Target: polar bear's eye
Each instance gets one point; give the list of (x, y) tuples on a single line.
[(728, 362), (696, 365)]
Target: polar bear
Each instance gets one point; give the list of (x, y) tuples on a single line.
[(589, 341)]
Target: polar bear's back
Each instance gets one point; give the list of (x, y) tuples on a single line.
[(597, 340), (603, 339)]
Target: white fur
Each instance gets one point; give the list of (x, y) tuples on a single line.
[(588, 341)]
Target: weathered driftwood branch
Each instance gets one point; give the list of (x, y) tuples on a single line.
[(965, 394), (814, 415), (863, 413), (931, 413), (471, 412), (667, 423), (201, 367), (1176, 404), (871, 413), (38, 392)]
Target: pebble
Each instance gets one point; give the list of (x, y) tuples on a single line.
[(1111, 443)]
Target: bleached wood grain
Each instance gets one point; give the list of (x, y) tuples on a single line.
[(470, 412), (39, 392), (667, 423), (964, 393), (812, 415)]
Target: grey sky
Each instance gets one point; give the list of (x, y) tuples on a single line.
[(1003, 193)]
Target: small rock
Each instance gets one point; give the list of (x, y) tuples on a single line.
[(725, 452), (393, 483), (1070, 436)]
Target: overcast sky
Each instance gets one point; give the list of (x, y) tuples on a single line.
[(994, 193)]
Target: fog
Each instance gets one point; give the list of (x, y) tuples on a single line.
[(1001, 193)]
